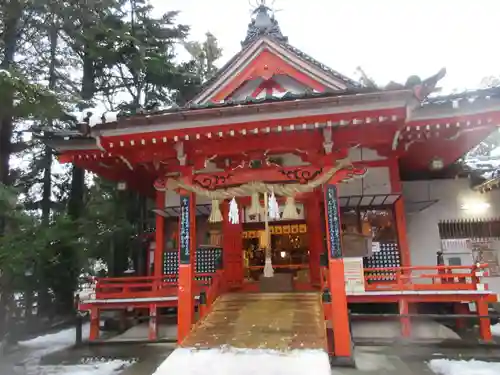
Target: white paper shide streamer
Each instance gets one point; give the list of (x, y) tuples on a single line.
[(274, 209), (234, 215)]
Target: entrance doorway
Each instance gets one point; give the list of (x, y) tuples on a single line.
[(289, 251)]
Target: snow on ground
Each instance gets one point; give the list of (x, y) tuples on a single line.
[(53, 342), (228, 361), (43, 345), (97, 368), (473, 367), (495, 329), (421, 330)]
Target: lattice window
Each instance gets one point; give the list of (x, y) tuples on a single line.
[(487, 255), (473, 238), (388, 256)]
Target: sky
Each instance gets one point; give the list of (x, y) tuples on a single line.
[(388, 39)]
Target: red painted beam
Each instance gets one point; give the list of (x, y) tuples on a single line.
[(261, 125)]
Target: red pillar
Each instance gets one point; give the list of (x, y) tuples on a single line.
[(399, 214), (157, 261), (315, 236), (153, 324), (160, 235), (404, 320), (339, 312), (404, 247), (94, 323), (461, 309), (232, 249), (187, 248), (484, 323)]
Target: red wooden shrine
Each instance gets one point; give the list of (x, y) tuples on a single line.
[(274, 115)]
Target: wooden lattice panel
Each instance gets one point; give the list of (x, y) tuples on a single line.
[(388, 256), (277, 321)]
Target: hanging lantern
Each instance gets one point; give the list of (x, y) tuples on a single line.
[(290, 211), (274, 210), (215, 214), (234, 215), (255, 207)]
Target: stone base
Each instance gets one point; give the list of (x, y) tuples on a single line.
[(279, 283)]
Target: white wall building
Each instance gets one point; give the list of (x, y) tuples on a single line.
[(429, 202)]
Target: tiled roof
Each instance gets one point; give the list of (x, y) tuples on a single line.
[(267, 26), (308, 94), (348, 81), (488, 93)]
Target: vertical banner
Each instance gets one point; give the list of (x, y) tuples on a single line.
[(185, 230), (333, 221)]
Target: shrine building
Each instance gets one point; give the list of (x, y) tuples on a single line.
[(284, 182)]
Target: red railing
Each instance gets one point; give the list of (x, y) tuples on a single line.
[(424, 278), (141, 286), (213, 289), (429, 278)]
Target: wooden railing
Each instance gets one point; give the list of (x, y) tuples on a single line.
[(429, 278), (141, 286), (424, 278), (211, 290)]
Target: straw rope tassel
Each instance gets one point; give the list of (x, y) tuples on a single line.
[(255, 207), (290, 211), (215, 214)]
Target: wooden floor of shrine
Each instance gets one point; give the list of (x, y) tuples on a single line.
[(277, 321)]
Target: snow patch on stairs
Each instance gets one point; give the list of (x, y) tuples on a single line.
[(230, 361)]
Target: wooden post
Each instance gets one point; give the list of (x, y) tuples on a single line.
[(404, 247), (484, 323), (153, 323), (160, 236), (339, 313), (315, 237), (202, 306), (227, 245), (187, 248), (78, 322), (461, 309), (404, 320), (94, 323), (232, 250)]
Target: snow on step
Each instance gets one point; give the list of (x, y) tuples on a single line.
[(232, 361), (473, 367), (495, 329)]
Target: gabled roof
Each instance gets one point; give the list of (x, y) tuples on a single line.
[(264, 36)]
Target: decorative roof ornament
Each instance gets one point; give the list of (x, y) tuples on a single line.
[(263, 24)]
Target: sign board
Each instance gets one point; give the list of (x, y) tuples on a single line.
[(333, 221), (185, 230), (375, 247), (354, 275)]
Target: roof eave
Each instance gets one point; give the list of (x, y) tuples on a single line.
[(175, 120)]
